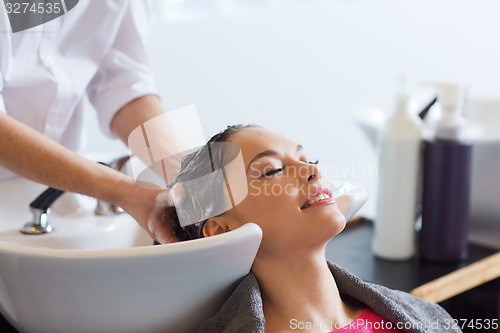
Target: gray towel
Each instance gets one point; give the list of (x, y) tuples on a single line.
[(243, 311)]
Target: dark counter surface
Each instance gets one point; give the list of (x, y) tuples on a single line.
[(351, 249)]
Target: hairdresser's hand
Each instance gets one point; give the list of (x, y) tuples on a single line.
[(151, 208)]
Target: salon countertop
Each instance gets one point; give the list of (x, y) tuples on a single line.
[(351, 249)]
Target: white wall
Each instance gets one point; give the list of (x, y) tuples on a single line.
[(304, 68)]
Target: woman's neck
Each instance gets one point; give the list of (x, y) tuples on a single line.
[(301, 290)]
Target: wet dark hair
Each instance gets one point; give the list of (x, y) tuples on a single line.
[(197, 164)]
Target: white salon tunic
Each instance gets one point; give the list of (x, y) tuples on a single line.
[(96, 49)]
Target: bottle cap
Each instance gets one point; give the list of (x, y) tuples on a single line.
[(451, 124), (403, 97)]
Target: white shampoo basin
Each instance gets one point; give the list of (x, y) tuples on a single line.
[(101, 274)]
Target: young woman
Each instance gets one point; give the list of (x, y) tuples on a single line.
[(292, 287)]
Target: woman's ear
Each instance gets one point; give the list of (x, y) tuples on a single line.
[(215, 226)]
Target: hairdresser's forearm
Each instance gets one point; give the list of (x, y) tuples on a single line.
[(162, 135), (134, 114), (33, 156)]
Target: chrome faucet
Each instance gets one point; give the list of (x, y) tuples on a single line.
[(105, 208), (40, 207)]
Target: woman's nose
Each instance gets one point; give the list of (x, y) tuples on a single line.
[(313, 172)]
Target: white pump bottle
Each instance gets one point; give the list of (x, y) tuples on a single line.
[(399, 168)]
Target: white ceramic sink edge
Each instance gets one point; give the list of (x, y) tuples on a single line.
[(166, 288), (170, 249), (102, 274)]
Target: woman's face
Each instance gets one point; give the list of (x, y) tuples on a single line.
[(287, 196)]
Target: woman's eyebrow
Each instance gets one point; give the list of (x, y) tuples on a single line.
[(269, 152), (264, 153)]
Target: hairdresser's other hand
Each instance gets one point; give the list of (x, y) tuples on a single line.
[(151, 207)]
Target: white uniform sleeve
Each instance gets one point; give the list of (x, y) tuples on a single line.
[(2, 104), (125, 74)]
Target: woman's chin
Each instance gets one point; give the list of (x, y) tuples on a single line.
[(336, 224), (339, 226), (335, 218)]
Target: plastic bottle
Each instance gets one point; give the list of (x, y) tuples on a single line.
[(446, 189), (399, 169)]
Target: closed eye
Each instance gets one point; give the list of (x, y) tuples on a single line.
[(313, 162), (272, 172)]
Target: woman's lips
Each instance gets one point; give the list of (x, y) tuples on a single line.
[(320, 196)]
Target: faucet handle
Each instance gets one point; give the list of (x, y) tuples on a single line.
[(46, 199), (40, 207)]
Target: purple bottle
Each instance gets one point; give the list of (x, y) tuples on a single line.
[(446, 188), (445, 211)]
